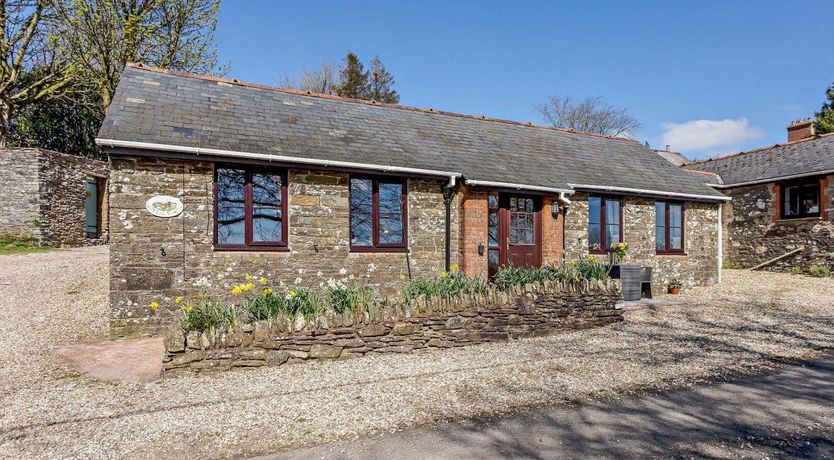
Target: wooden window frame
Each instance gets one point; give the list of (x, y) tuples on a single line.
[(602, 222), (668, 227), (800, 183), (249, 244), (376, 246)]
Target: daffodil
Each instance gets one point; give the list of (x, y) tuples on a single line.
[(178, 300), (154, 305), (292, 293), (263, 281), (402, 277), (248, 277), (444, 274), (453, 267), (187, 308), (248, 287), (237, 290), (266, 291)]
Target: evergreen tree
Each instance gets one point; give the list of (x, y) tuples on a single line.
[(380, 84), (825, 117), (353, 79)]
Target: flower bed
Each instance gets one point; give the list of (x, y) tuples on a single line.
[(336, 321)]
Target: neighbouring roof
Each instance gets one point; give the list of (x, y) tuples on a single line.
[(676, 158), (162, 107), (801, 158)]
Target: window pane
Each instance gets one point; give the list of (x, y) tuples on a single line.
[(660, 238), (230, 186), (594, 236), (676, 238), (660, 214), (493, 229), (266, 190), (493, 201), (493, 262), (266, 225), (612, 234), (612, 212), (594, 210), (791, 201), (230, 225), (390, 228), (675, 215), (810, 199), (390, 198), (361, 205)]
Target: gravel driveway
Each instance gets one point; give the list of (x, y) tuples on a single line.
[(750, 323)]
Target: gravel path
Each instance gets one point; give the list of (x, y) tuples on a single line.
[(748, 324)]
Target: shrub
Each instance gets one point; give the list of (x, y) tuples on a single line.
[(446, 285), (819, 271)]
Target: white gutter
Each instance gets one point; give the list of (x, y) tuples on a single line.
[(720, 240), (112, 143), (535, 188), (564, 199), (648, 192), (773, 179)]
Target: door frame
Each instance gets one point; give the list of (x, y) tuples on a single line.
[(504, 226)]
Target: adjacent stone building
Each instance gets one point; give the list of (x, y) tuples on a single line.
[(781, 201), (53, 198), (213, 179)]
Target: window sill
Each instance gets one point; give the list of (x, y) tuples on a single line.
[(798, 220), (670, 253), (362, 249), (251, 249)]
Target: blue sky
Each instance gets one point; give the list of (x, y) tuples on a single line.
[(707, 77)]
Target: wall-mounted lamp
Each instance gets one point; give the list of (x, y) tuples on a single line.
[(554, 208), (481, 249)]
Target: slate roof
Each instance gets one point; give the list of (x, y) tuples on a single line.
[(162, 107), (805, 157), (676, 158)]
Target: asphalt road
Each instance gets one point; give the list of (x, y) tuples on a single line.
[(785, 414)]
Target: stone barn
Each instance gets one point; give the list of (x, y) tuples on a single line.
[(52, 198)]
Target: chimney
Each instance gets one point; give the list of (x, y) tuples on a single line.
[(800, 129)]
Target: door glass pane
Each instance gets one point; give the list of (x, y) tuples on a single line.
[(361, 212), (493, 201), (493, 229)]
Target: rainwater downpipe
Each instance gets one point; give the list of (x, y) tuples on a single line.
[(448, 192)]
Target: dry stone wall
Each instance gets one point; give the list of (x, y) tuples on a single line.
[(493, 317)]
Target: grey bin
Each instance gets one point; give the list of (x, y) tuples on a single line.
[(632, 278)]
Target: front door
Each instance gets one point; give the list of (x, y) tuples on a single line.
[(91, 207), (520, 235)]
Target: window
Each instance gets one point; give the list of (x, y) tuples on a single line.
[(605, 223), (250, 209), (378, 210), (801, 200), (668, 227)]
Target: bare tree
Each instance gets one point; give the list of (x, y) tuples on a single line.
[(30, 70), (590, 115), (321, 79)]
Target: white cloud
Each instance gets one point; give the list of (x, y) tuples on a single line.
[(708, 134)]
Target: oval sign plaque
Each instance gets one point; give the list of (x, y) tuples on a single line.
[(164, 206)]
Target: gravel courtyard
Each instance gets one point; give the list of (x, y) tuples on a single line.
[(750, 323)]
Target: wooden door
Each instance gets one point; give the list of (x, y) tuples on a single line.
[(520, 220)]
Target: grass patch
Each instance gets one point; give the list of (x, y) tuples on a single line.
[(14, 244)]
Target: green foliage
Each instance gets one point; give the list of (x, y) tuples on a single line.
[(357, 83), (207, 314), (344, 298), (825, 117), (353, 78), (16, 244), (66, 124), (446, 285), (795, 271), (584, 269), (675, 283), (819, 271), (265, 303), (380, 82)]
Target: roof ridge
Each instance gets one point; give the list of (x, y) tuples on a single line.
[(761, 149), (236, 82), (696, 171)]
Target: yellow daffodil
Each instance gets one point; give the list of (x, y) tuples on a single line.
[(187, 308), (453, 267), (248, 277), (263, 281), (154, 305), (444, 274), (248, 287), (237, 290), (402, 277), (178, 300), (292, 293), (266, 291)]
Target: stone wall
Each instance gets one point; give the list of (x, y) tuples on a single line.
[(493, 317), (754, 232), (697, 267), (44, 195), (154, 258)]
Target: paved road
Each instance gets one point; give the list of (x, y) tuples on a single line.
[(787, 414)]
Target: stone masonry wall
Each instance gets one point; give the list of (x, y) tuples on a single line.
[(754, 232), (318, 239), (496, 316), (19, 193), (44, 193), (699, 265)]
